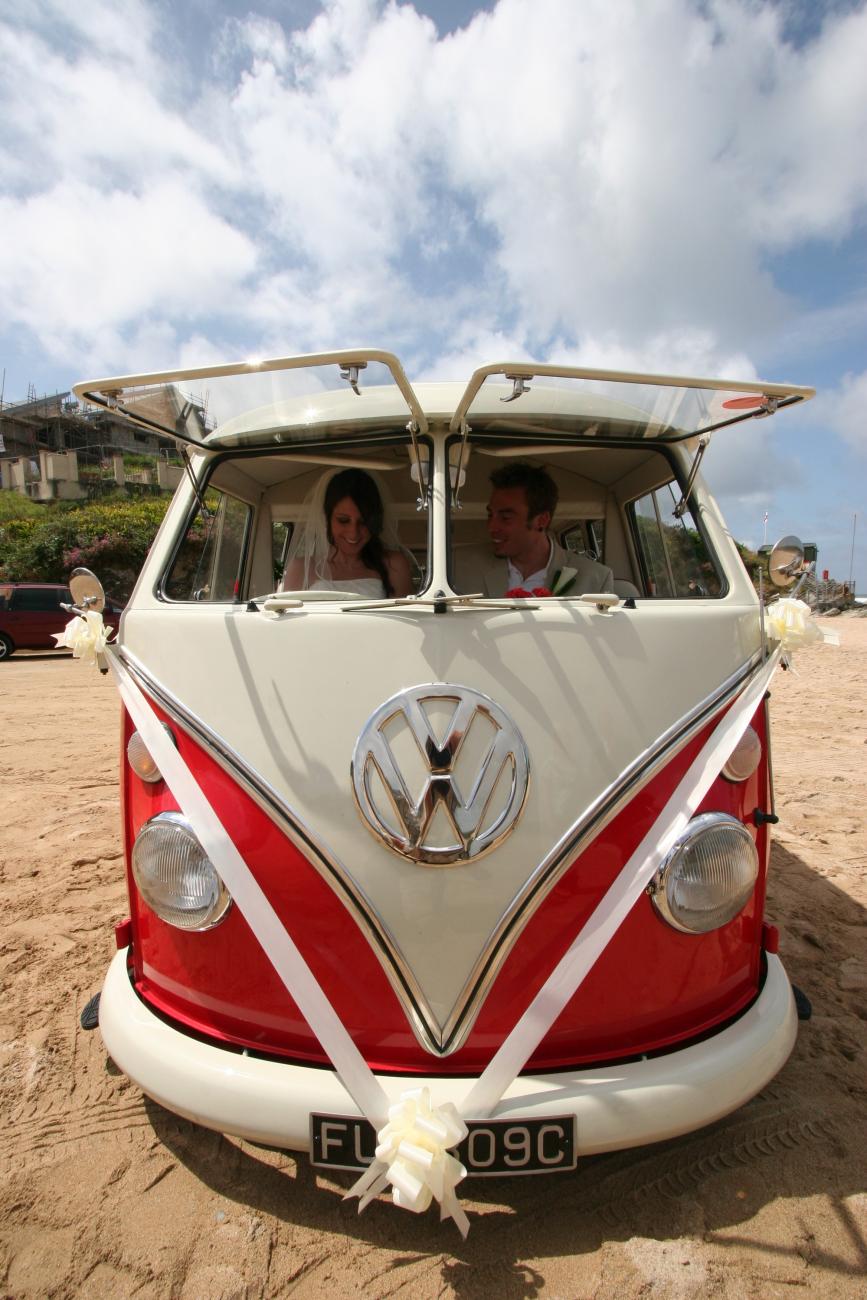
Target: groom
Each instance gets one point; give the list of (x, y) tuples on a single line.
[(520, 511)]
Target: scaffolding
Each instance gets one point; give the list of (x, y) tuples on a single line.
[(53, 447)]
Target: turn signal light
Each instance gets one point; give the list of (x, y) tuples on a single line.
[(140, 760)]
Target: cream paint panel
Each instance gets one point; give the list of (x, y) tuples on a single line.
[(229, 477), (588, 692)]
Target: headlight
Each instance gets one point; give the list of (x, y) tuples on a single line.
[(175, 877), (708, 876), (744, 758)]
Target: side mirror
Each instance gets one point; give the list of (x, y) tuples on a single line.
[(86, 591), (787, 562)]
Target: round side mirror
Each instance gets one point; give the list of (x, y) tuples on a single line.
[(786, 562), (86, 590)]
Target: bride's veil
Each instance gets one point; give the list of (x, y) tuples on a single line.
[(309, 542)]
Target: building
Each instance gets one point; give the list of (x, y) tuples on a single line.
[(55, 448)]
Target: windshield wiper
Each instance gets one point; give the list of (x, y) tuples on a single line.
[(278, 601), (440, 603)]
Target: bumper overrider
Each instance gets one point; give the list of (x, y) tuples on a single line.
[(616, 1106)]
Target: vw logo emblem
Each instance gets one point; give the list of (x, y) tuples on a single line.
[(440, 773)]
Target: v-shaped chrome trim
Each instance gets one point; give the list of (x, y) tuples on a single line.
[(437, 1038)]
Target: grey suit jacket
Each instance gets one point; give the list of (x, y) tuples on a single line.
[(591, 575)]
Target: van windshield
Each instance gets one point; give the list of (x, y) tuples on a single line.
[(345, 524), (617, 521)]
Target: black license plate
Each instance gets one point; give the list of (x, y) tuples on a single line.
[(492, 1147)]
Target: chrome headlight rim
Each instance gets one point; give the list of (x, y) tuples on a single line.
[(660, 887), (223, 899)]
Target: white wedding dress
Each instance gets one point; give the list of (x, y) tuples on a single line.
[(370, 588)]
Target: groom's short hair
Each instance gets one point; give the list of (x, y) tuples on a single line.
[(539, 487)]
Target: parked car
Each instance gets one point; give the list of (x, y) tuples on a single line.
[(425, 805), (31, 612)]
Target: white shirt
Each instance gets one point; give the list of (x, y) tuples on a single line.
[(516, 579)]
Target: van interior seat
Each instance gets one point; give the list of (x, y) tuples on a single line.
[(471, 561)]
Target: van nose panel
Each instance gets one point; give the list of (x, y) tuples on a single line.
[(529, 731)]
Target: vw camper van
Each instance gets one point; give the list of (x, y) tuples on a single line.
[(448, 841)]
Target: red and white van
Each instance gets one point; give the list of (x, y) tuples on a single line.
[(427, 833)]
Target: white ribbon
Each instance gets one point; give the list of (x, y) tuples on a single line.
[(412, 1155), (85, 635), (300, 982), (570, 972)]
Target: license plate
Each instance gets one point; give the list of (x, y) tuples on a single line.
[(492, 1147)]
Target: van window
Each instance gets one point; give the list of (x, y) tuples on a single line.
[(672, 554), (209, 562), (586, 538)]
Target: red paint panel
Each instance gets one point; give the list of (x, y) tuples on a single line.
[(653, 986)]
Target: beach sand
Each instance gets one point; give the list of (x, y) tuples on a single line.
[(105, 1194)]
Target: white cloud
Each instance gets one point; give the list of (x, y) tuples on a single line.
[(76, 261), (598, 183), (844, 410)]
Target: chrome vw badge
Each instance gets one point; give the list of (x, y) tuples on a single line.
[(440, 773)]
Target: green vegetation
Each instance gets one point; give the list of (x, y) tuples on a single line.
[(754, 561), (44, 543), (14, 505)]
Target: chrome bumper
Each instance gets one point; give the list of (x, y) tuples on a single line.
[(616, 1106)]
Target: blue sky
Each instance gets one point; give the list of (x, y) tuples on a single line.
[(672, 185)]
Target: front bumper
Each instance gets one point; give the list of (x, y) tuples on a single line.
[(616, 1106)]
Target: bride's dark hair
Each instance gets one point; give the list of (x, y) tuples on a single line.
[(360, 488)]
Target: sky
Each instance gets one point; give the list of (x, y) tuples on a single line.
[(676, 186)]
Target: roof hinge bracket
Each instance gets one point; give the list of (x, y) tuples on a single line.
[(350, 373), (519, 387)]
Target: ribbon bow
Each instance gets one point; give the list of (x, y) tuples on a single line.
[(85, 635), (789, 621), (412, 1155)]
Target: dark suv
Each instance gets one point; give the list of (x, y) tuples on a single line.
[(30, 612)]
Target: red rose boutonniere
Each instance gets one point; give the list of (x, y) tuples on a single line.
[(564, 581)]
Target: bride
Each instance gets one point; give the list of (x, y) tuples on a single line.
[(341, 547)]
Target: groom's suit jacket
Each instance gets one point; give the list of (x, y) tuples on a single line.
[(591, 575)]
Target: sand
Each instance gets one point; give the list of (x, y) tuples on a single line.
[(103, 1193)]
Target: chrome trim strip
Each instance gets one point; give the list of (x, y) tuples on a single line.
[(591, 823), (443, 1040), (424, 1024)]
